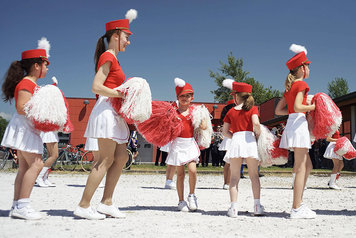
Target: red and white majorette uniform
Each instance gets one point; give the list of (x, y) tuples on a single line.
[(184, 148), (243, 143), (20, 133), (296, 133), (329, 152)]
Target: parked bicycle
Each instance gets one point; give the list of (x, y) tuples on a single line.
[(6, 155), (69, 157)]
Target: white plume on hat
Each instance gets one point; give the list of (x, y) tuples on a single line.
[(298, 48), (131, 15), (228, 83), (44, 44), (179, 82)]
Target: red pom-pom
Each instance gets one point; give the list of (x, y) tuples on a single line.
[(343, 147), (325, 119), (278, 153), (45, 126), (163, 126), (116, 103)]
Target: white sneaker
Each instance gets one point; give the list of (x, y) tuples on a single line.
[(259, 210), (192, 202), (232, 212), (26, 213), (41, 183), (183, 206), (170, 185), (111, 211), (334, 186), (303, 212), (88, 213), (48, 183), (226, 187), (11, 210)]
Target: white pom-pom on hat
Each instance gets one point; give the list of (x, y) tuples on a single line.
[(179, 82), (298, 48), (54, 80), (227, 83), (44, 44), (131, 15)]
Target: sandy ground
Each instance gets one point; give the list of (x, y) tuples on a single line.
[(152, 211)]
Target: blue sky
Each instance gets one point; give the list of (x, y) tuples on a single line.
[(185, 39)]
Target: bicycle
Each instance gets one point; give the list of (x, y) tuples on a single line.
[(7, 154), (69, 157)]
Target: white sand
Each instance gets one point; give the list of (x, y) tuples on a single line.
[(151, 210)]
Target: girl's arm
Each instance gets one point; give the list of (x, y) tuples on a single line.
[(98, 83), (226, 130), (23, 97), (281, 108), (298, 103), (330, 139), (256, 125), (203, 125)]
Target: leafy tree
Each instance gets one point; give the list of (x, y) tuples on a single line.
[(233, 69), (338, 87), (3, 125)]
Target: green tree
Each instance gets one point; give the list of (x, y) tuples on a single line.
[(338, 87), (3, 125), (234, 70)]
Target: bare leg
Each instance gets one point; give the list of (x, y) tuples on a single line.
[(180, 182), (170, 172), (192, 171), (52, 150), (300, 168), (252, 165), (235, 167), (23, 167), (227, 173)]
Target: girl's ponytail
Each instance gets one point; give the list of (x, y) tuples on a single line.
[(248, 100), (14, 75), (100, 48)]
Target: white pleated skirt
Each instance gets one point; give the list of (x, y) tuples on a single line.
[(329, 152), (21, 135), (166, 147), (91, 144), (296, 133), (243, 145), (225, 143), (183, 151), (104, 122), (49, 137)]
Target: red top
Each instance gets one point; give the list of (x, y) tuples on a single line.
[(336, 135), (240, 120), (25, 84), (292, 94), (188, 129), (116, 76)]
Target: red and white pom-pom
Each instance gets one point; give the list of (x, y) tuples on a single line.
[(343, 147), (202, 137), (325, 119), (268, 149), (163, 126), (47, 109), (136, 105), (68, 126), (55, 81)]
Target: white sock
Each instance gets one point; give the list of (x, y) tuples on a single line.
[(168, 181), (233, 204), (257, 202), (190, 195), (332, 179), (24, 202), (42, 173), (14, 203)]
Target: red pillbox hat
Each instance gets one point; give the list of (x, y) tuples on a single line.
[(241, 87), (182, 87), (297, 60), (122, 24), (37, 53)]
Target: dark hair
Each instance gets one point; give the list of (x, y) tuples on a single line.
[(15, 73), (248, 100), (225, 110), (100, 45)]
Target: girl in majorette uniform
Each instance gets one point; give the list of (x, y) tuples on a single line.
[(51, 140), (241, 124), (296, 136), (110, 129), (338, 161), (20, 83), (184, 150)]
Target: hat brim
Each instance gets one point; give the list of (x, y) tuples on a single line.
[(127, 31)]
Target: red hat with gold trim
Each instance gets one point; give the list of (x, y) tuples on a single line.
[(237, 87), (42, 51), (299, 59), (122, 24), (182, 87)]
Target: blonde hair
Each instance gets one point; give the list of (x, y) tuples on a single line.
[(291, 77), (248, 100)]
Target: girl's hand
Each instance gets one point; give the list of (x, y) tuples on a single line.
[(203, 125)]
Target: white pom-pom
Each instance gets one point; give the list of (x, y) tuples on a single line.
[(54, 80), (202, 137), (131, 15), (227, 83), (179, 82), (298, 48), (44, 44)]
